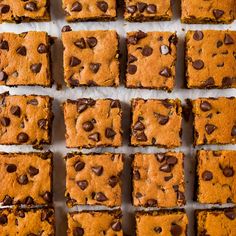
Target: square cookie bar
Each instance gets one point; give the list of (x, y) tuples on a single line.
[(151, 60), (25, 221), (214, 120), (90, 10), (25, 59), (25, 119), (18, 10), (208, 12), (147, 10), (94, 179), (218, 222), (210, 59), (158, 180), (93, 123), (156, 122), (94, 222), (91, 58), (161, 222), (216, 177), (31, 176)]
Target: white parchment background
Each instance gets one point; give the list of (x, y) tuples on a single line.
[(58, 145)]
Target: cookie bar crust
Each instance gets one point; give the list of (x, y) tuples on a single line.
[(18, 11), (156, 122), (94, 179), (214, 120), (93, 123), (208, 12), (210, 59), (95, 223), (25, 59), (158, 180), (151, 60), (25, 119), (148, 10)]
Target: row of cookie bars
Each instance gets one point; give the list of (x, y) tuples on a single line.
[(91, 58), (193, 11)]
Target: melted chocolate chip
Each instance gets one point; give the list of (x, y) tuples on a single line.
[(218, 13), (4, 45), (228, 172), (22, 179), (209, 83), (33, 171), (80, 43), (139, 126), (66, 28), (205, 106), (151, 202), (210, 128), (35, 68), (5, 121), (11, 168), (31, 6), (7, 201), (15, 110), (76, 6), (115, 104), (22, 137), (228, 39), (110, 133), (79, 165), (151, 9), (162, 120), (74, 61), (42, 48), (78, 231), (160, 157), (95, 137), (98, 170), (233, 131), (227, 82), (92, 42), (141, 137), (3, 76), (83, 184), (94, 67), (131, 9), (21, 50), (88, 126), (166, 72), (158, 229), (207, 175), (47, 196), (113, 180), (176, 230), (219, 43), (3, 219), (229, 213), (116, 226), (101, 197), (29, 200), (198, 35), (147, 51), (102, 5), (198, 64), (165, 168), (171, 160), (166, 103), (132, 58), (132, 69), (4, 9), (141, 6)]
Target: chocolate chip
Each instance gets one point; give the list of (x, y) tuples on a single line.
[(92, 42), (160, 157), (46, 214), (164, 49), (147, 51), (33, 171), (210, 82), (11, 168), (94, 67), (171, 160), (83, 184), (141, 6), (228, 172), (166, 72), (136, 175), (181, 197), (5, 121), (74, 61), (162, 120), (98, 170), (102, 5), (15, 110), (113, 180), (115, 104), (131, 9), (110, 133), (158, 229), (229, 213), (116, 226), (166, 103), (76, 6), (165, 168), (227, 82), (219, 43), (132, 69), (3, 219), (207, 175), (47, 196), (141, 137), (233, 131), (198, 64), (88, 126), (23, 179), (79, 165), (21, 50), (210, 128), (101, 197), (139, 126), (7, 201), (198, 35), (33, 102), (29, 200), (42, 48), (31, 6), (4, 9), (205, 106), (176, 230), (4, 45), (151, 8), (35, 68), (3, 76), (66, 28), (132, 58), (22, 137), (228, 39), (167, 178), (42, 124), (218, 13), (80, 43), (78, 231), (151, 202), (95, 137)]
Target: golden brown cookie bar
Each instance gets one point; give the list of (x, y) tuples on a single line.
[(19, 11), (29, 222), (210, 59), (25, 119), (25, 59), (151, 60), (218, 222), (147, 10), (93, 223), (91, 58), (214, 120), (216, 177), (161, 222), (156, 122), (89, 10), (210, 11), (30, 174), (158, 179), (93, 123), (94, 179)]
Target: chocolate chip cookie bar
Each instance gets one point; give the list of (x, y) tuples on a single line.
[(214, 120), (216, 222), (31, 176), (161, 222), (25, 119), (158, 180), (156, 122), (210, 59), (91, 58), (19, 11), (25, 59), (93, 123), (92, 10), (147, 10), (25, 221), (208, 12), (151, 60), (94, 222), (94, 179), (216, 177)]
